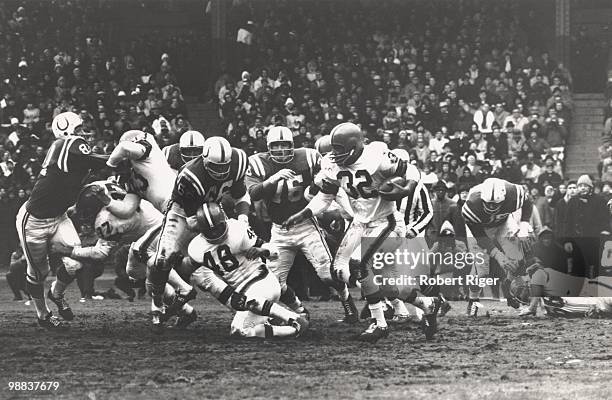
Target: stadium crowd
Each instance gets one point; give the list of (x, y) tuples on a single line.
[(469, 95)]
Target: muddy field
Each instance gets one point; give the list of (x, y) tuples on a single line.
[(110, 353)]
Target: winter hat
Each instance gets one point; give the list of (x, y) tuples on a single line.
[(585, 180)]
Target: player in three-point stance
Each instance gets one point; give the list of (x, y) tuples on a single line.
[(361, 170), (230, 265), (280, 177), (43, 221)]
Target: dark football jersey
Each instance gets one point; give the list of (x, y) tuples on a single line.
[(67, 164), (288, 198), (173, 155), (194, 186), (474, 213)]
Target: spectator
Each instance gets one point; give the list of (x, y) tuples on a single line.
[(560, 214), (550, 253), (441, 205)]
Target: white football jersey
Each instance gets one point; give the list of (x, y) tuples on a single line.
[(151, 178), (127, 230), (361, 180), (227, 259)]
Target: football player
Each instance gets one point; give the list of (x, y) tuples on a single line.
[(361, 170), (218, 172), (93, 207), (190, 146), (43, 221), (279, 177), (563, 295), (497, 215), (150, 176), (230, 265)]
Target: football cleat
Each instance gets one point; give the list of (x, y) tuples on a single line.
[(179, 301), (183, 321), (527, 311), (374, 333), (473, 307), (51, 322), (429, 323), (445, 306), (351, 315), (62, 306), (305, 314), (388, 310), (157, 321), (300, 324), (400, 319)]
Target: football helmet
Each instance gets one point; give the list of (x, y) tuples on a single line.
[(191, 145), (347, 143), (217, 155), (519, 291), (280, 144), (67, 124), (135, 135), (323, 145), (493, 194), (401, 154), (212, 222), (89, 202)]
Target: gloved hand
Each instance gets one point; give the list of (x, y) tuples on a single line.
[(284, 173), (525, 230)]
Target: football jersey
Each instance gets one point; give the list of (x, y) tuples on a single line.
[(173, 156), (361, 179), (127, 230), (474, 213), (228, 260), (194, 185), (67, 164), (558, 284), (288, 198), (151, 177)]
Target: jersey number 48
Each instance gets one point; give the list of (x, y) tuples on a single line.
[(226, 260)]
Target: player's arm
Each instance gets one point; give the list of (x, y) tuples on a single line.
[(422, 203), (188, 193), (391, 165), (254, 247), (473, 221), (328, 189), (127, 150), (77, 156), (124, 208), (100, 251), (238, 191)]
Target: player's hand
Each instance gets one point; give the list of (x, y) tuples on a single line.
[(503, 261), (256, 252), (569, 248), (297, 218), (410, 233), (284, 173), (101, 193), (61, 249)]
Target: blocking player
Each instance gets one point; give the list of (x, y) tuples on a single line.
[(150, 176), (43, 221), (218, 172), (230, 261), (189, 147), (497, 215), (93, 206), (279, 178), (361, 170)]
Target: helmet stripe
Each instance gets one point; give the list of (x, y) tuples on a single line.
[(222, 151), (191, 139), (207, 215)]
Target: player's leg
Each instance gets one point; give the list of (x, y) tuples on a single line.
[(33, 238), (266, 290), (474, 306), (16, 278), (287, 249), (65, 234), (168, 252), (313, 246)]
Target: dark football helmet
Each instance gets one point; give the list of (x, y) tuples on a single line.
[(212, 222), (347, 143)]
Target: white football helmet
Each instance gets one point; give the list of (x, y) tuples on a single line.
[(323, 145), (66, 124), (280, 144), (217, 156), (191, 145), (135, 135), (493, 194)]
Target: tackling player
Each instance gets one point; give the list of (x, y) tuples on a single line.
[(230, 265), (43, 221), (189, 147), (218, 172), (151, 177), (496, 213), (361, 170), (279, 178)]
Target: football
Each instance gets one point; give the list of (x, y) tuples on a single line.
[(388, 190)]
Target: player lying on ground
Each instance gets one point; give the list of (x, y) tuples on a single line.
[(42, 221), (95, 206), (230, 265), (497, 215), (279, 178), (374, 178), (563, 295)]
